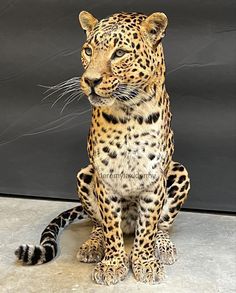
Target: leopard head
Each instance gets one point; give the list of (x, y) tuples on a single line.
[(120, 55)]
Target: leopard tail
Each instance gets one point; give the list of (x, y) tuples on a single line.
[(47, 250)]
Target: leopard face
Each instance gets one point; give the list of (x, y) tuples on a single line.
[(120, 55)]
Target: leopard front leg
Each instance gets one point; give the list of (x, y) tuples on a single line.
[(93, 249), (146, 266), (115, 264)]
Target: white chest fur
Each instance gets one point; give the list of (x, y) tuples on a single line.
[(130, 161)]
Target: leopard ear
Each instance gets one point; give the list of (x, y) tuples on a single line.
[(154, 26), (87, 21)]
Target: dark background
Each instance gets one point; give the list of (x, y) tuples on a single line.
[(41, 149)]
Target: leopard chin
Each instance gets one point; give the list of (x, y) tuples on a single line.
[(97, 100)]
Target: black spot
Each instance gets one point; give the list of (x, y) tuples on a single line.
[(114, 198), (141, 241), (115, 41), (66, 215), (106, 149), (57, 222), (172, 210), (151, 156), (151, 210), (112, 238), (84, 189), (146, 245), (63, 223), (87, 178), (181, 168), (107, 201), (73, 216), (142, 209), (178, 206), (140, 119), (156, 203), (113, 155), (182, 178), (114, 214), (172, 191), (123, 121), (166, 218), (170, 180), (186, 185), (105, 162), (109, 118), (147, 199), (182, 196), (152, 118)]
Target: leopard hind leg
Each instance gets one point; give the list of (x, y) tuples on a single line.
[(93, 249), (178, 185)]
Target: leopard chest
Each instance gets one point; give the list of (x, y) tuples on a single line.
[(128, 158)]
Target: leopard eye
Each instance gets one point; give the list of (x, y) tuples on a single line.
[(88, 51), (118, 53)]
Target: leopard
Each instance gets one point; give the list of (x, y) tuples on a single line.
[(131, 185)]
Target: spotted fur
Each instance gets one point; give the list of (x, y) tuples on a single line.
[(131, 184)]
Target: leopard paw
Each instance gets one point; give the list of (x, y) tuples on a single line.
[(148, 271), (90, 252), (166, 250), (109, 272)]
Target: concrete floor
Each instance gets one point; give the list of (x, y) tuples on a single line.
[(205, 243)]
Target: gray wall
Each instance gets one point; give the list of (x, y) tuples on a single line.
[(41, 149)]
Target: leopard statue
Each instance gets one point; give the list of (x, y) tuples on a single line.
[(132, 184)]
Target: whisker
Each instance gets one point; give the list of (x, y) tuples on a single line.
[(72, 82), (73, 97), (69, 88), (68, 81), (72, 94)]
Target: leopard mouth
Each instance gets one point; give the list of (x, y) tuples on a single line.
[(97, 100)]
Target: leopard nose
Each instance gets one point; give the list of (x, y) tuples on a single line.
[(93, 82)]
